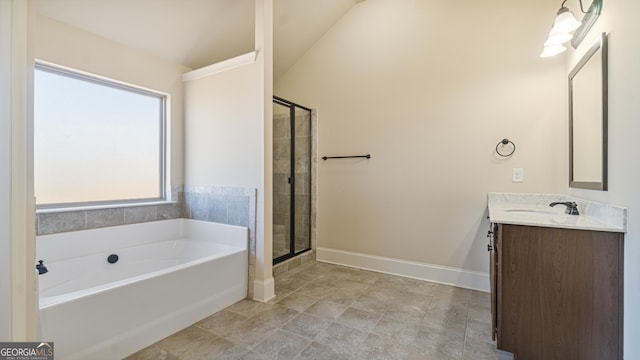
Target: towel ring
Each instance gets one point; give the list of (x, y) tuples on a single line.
[(503, 143)]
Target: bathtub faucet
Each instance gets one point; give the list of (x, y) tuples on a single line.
[(41, 268)]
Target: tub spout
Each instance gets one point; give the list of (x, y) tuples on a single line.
[(41, 268)]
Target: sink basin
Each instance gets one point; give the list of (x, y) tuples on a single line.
[(536, 211)]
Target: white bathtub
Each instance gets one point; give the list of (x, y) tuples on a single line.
[(169, 275)]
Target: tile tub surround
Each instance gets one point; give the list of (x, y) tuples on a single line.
[(325, 311), (229, 205), (53, 221), (506, 208)]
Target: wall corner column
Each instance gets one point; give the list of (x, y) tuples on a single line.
[(264, 285), (17, 235)]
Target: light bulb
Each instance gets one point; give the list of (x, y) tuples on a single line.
[(565, 21), (557, 38), (552, 50)]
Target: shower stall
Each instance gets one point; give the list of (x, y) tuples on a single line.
[(291, 179)]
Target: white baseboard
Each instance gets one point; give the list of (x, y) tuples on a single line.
[(435, 273), (264, 291)]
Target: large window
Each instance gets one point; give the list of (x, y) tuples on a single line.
[(96, 141)]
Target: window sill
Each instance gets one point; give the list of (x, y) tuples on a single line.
[(102, 206)]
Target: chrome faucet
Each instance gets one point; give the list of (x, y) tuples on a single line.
[(572, 207)]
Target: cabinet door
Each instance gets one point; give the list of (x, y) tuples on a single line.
[(561, 293)]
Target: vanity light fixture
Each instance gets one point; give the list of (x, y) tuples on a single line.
[(561, 31)]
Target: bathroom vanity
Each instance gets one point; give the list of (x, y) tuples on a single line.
[(556, 279)]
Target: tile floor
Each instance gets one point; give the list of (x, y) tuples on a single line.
[(331, 312)]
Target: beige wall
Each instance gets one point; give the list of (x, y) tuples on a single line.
[(619, 19), (223, 142), (72, 47), (429, 88)]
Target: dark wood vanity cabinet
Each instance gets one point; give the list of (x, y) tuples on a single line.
[(557, 293)]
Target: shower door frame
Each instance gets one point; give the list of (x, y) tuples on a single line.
[(292, 178)]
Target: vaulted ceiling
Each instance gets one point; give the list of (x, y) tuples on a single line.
[(196, 33)]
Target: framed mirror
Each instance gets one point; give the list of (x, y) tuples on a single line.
[(588, 119)]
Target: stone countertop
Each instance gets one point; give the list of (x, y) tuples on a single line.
[(534, 210)]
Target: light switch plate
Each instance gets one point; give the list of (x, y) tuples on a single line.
[(517, 175)]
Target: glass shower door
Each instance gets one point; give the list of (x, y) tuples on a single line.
[(281, 180), (291, 179)]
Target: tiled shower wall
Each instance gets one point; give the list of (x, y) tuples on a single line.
[(281, 170), (222, 204)]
